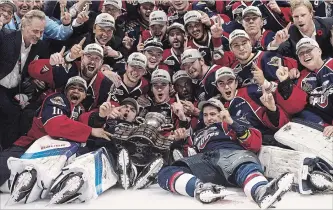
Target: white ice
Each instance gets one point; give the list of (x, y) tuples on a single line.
[(156, 198)]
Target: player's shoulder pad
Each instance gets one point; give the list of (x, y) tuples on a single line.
[(272, 58), (57, 100)]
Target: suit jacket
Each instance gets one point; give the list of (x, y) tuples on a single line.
[(10, 49), (323, 27)]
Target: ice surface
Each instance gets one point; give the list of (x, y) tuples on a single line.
[(157, 198)]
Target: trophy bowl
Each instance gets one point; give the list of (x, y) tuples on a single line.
[(155, 119)]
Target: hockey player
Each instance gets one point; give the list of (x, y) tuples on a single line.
[(316, 80), (162, 102), (241, 59), (171, 56), (59, 117), (133, 84), (204, 75), (185, 90), (208, 38), (100, 29), (55, 72), (275, 13), (253, 23), (157, 28), (137, 25), (226, 158), (252, 105), (153, 50)]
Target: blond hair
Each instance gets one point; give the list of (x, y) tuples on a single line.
[(297, 3), (27, 18)]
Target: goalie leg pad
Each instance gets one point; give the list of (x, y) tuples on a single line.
[(46, 157), (277, 161), (94, 174), (304, 137)]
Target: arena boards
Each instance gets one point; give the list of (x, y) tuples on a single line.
[(156, 198)]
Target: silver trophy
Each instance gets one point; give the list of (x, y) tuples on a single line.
[(155, 119)]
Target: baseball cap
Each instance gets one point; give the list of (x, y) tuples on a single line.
[(158, 18), (10, 3), (176, 25), (306, 42), (77, 80), (190, 55), (192, 16), (137, 59), (212, 101), (132, 102), (251, 10), (153, 43), (160, 75), (223, 72), (116, 3), (94, 49), (236, 34), (146, 1), (105, 20), (180, 74)]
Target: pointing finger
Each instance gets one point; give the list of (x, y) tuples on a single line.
[(288, 26), (82, 41), (140, 39), (62, 51), (256, 68)]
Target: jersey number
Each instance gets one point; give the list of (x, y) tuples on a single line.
[(57, 111)]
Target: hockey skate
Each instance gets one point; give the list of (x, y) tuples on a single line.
[(267, 195), (322, 182), (148, 174), (126, 170), (66, 190), (22, 185), (209, 192)]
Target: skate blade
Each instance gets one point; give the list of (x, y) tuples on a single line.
[(123, 159), (208, 197), (17, 193), (154, 168), (321, 183), (65, 194), (69, 201), (284, 187)]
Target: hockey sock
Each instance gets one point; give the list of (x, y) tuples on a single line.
[(177, 180), (250, 177)]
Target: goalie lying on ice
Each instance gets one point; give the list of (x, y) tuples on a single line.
[(60, 117)]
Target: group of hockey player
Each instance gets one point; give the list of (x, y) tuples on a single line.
[(194, 96)]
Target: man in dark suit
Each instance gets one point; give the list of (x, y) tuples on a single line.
[(305, 25), (17, 50)]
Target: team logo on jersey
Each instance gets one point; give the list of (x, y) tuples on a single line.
[(58, 101), (203, 137), (264, 20), (44, 70), (238, 69), (202, 96), (119, 92), (307, 87), (169, 62), (275, 61)]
